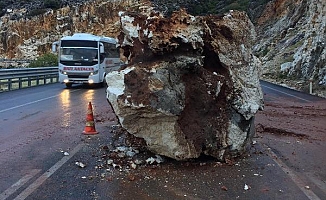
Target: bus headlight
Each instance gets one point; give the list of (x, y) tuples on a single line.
[(66, 81), (90, 81), (94, 72), (63, 72)]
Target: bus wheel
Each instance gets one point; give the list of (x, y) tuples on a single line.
[(103, 84), (68, 85)]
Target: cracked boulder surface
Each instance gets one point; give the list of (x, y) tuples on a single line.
[(191, 86)]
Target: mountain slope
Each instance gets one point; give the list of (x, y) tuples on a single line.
[(290, 43)]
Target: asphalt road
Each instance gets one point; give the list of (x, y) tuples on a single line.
[(39, 124), (276, 91), (293, 127)]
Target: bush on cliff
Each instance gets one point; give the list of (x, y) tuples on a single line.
[(53, 4), (46, 60)]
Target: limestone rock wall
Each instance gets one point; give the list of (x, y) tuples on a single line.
[(292, 41), (27, 38), (191, 86)]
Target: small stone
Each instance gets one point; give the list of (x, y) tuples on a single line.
[(121, 154), (130, 153), (224, 188), (138, 162), (116, 166), (133, 165), (150, 160), (246, 187), (122, 149), (153, 160), (80, 164), (131, 178), (159, 159), (66, 154), (109, 162)]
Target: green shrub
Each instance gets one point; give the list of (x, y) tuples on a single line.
[(36, 12), (237, 5), (53, 4), (264, 52), (2, 9), (46, 60)]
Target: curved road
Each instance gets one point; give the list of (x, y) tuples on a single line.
[(273, 91), (37, 125)]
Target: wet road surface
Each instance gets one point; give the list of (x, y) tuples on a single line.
[(39, 124)]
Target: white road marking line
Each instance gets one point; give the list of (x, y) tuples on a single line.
[(301, 185), (29, 103), (286, 93), (38, 182), (4, 195)]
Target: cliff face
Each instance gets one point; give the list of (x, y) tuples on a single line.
[(291, 33), (29, 37), (291, 43)]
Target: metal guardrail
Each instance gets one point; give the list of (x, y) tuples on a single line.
[(11, 79), (15, 60)]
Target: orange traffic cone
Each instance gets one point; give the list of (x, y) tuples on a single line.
[(90, 125)]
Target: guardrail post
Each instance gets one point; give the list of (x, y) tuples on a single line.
[(310, 86), (37, 81), (29, 82), (9, 84), (20, 84)]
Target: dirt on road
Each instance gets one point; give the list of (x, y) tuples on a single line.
[(285, 118), (296, 133)]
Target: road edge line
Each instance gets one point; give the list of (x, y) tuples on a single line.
[(287, 94), (310, 194), (38, 182), (14, 187)]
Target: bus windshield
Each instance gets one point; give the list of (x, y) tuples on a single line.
[(79, 54)]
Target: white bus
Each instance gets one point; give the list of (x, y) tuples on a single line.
[(86, 58)]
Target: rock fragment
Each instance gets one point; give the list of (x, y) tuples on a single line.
[(80, 164)]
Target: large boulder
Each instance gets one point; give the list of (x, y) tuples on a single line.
[(191, 85)]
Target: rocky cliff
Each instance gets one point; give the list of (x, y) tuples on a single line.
[(30, 37), (291, 42), (291, 33)]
